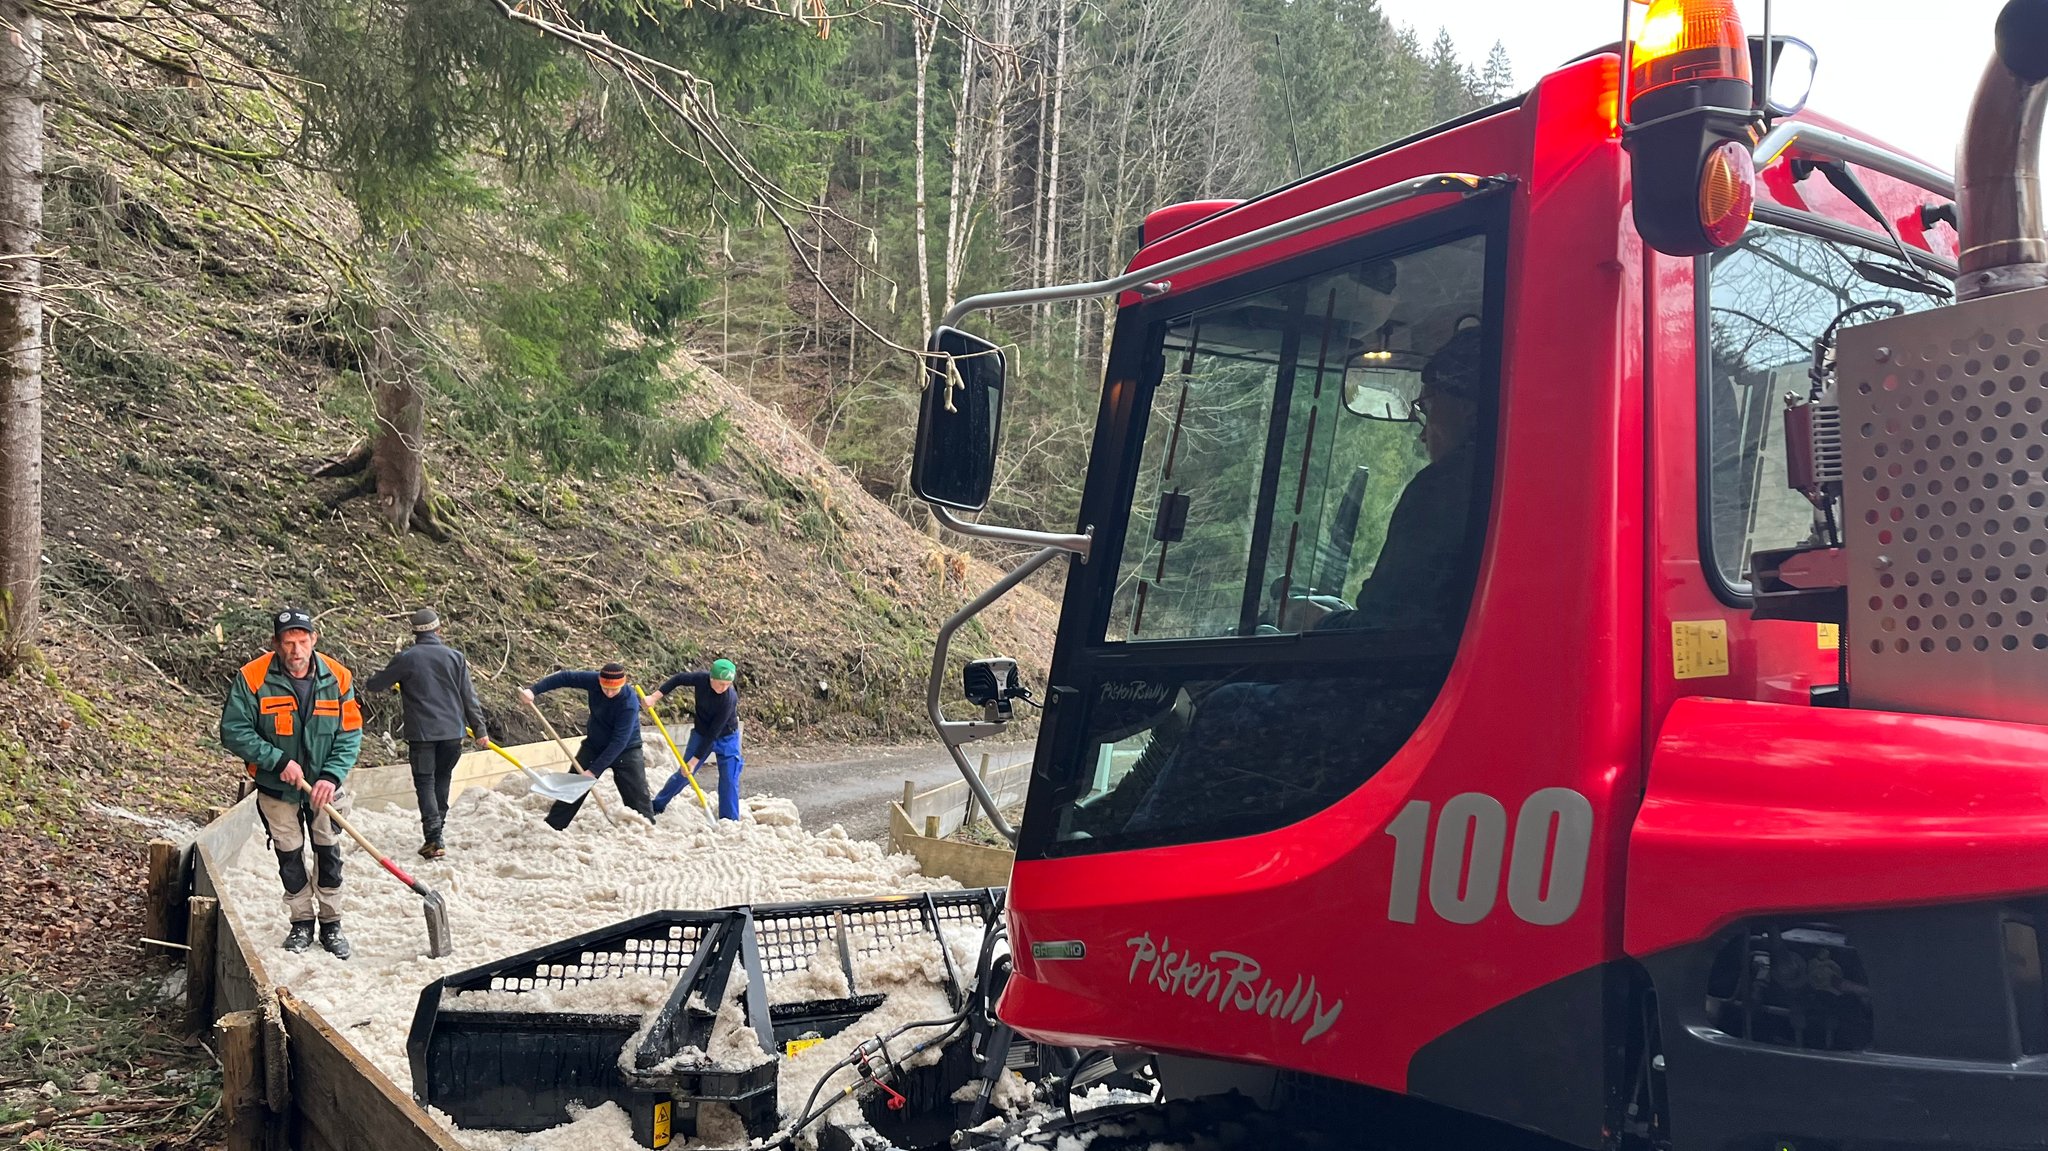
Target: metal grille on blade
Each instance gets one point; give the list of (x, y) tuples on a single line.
[(1945, 499)]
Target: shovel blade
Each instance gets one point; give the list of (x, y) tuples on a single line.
[(563, 787), (440, 937)]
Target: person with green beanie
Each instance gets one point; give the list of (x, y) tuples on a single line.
[(716, 730)]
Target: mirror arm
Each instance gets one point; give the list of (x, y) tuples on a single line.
[(1079, 544), (953, 733), (1764, 103), (1151, 281)]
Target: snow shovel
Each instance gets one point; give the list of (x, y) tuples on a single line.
[(685, 764), (561, 786), (566, 809), (440, 938)]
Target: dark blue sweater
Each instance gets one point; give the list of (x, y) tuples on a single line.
[(614, 720), (717, 712)]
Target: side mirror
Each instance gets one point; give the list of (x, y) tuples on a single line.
[(958, 418), (1793, 63)]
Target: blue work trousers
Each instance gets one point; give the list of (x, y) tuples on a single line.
[(727, 750)]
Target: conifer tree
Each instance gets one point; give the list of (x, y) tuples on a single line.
[(1497, 79)]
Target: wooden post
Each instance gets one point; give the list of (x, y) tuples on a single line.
[(158, 913), (213, 814), (909, 793), (199, 921), (931, 827), (241, 1092), (277, 1067)]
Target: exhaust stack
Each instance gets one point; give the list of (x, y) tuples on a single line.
[(1998, 164)]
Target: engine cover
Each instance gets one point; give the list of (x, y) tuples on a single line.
[(1945, 500)]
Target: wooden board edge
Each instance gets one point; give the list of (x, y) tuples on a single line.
[(339, 1093)]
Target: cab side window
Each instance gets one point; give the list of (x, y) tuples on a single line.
[(1766, 299), (1284, 432)]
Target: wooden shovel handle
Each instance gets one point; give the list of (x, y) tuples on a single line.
[(360, 841)]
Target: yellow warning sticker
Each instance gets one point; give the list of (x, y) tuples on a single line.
[(796, 1045), (1830, 636), (1699, 648), (663, 1122)]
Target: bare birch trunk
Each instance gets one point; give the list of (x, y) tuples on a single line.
[(923, 33), (21, 327), (1052, 179), (955, 233), (1000, 194), (1081, 272), (1037, 244)]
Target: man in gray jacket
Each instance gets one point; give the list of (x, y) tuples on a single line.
[(440, 699)]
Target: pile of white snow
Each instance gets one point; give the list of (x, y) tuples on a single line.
[(512, 884)]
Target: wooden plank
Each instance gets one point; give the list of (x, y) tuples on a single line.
[(900, 831), (970, 863), (386, 786), (238, 975), (241, 1067), (160, 918), (340, 1098), (313, 1139), (1007, 785), (199, 963)]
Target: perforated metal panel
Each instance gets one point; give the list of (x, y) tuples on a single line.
[(1945, 501)]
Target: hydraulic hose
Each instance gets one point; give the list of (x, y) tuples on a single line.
[(812, 1112)]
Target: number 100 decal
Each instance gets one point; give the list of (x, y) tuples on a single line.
[(1553, 834)]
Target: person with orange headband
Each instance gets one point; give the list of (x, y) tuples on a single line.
[(611, 737)]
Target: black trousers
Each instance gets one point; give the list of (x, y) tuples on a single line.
[(433, 767), (628, 772)]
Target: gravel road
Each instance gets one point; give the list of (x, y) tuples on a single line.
[(852, 786)]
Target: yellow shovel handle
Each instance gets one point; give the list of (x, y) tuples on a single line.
[(680, 761), (507, 756)]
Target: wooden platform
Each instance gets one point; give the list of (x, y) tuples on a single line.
[(921, 821)]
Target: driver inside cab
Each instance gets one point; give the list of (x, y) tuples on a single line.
[(1419, 578), (1268, 740)]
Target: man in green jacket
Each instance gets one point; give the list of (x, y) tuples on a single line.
[(291, 715)]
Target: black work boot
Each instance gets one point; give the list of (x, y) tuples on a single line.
[(333, 940), (300, 937)]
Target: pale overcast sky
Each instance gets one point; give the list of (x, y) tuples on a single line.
[(1903, 70)]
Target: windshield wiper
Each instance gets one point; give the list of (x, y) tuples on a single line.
[(1907, 277)]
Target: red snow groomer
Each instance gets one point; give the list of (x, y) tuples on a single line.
[(1556, 635)]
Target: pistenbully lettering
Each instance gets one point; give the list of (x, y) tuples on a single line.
[(1232, 980)]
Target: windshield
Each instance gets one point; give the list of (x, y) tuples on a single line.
[(1767, 299), (1307, 477)]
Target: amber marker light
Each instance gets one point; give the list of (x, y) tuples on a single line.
[(1685, 40)]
